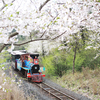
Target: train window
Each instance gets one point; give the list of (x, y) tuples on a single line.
[(17, 56), (26, 58)]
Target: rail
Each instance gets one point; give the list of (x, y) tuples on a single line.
[(54, 92)]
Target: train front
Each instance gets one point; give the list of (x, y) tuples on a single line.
[(34, 74)]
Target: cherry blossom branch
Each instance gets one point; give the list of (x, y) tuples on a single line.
[(39, 39), (2, 47), (58, 35), (49, 25), (43, 34), (4, 4), (13, 34), (19, 44), (43, 4)]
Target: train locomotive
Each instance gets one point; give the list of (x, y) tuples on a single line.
[(28, 65)]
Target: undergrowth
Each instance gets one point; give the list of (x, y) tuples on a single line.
[(10, 90), (86, 82)]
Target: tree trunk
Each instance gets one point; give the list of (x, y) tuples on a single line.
[(74, 59)]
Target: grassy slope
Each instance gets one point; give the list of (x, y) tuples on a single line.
[(9, 89), (86, 82)]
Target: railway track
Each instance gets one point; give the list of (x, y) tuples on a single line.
[(54, 92)]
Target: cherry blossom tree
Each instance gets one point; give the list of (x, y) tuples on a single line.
[(54, 19)]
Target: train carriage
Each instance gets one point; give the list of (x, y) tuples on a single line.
[(28, 65)]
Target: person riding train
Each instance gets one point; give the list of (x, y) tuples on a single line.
[(28, 61), (36, 61)]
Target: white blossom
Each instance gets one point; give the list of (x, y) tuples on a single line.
[(0, 87), (13, 80), (4, 89), (3, 68), (69, 16), (4, 83), (5, 80), (3, 74)]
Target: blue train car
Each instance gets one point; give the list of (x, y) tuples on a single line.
[(28, 65)]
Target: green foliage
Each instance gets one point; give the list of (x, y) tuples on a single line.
[(78, 55), (9, 18), (59, 62), (69, 59), (58, 17), (47, 62), (55, 63), (11, 15), (0, 33), (17, 13), (98, 0), (4, 57), (11, 4), (6, 5)]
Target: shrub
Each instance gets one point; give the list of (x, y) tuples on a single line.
[(55, 63), (59, 62)]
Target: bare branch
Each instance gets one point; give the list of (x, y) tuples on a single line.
[(43, 34), (58, 36), (28, 42), (5, 4), (33, 3), (39, 39), (43, 4), (52, 15), (13, 34), (2, 8), (2, 47), (48, 26), (19, 44)]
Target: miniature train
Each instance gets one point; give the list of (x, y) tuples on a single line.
[(28, 65)]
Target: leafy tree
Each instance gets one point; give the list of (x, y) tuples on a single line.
[(55, 63)]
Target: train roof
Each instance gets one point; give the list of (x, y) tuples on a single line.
[(22, 52), (19, 52)]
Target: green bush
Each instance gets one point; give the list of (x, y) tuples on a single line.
[(55, 63), (58, 62), (4, 57)]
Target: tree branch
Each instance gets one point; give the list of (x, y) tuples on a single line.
[(28, 42), (19, 44), (48, 26), (2, 8), (43, 4), (13, 34), (58, 35), (2, 47), (5, 4), (39, 39), (43, 34)]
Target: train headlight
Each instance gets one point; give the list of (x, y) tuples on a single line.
[(35, 67), (28, 75)]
